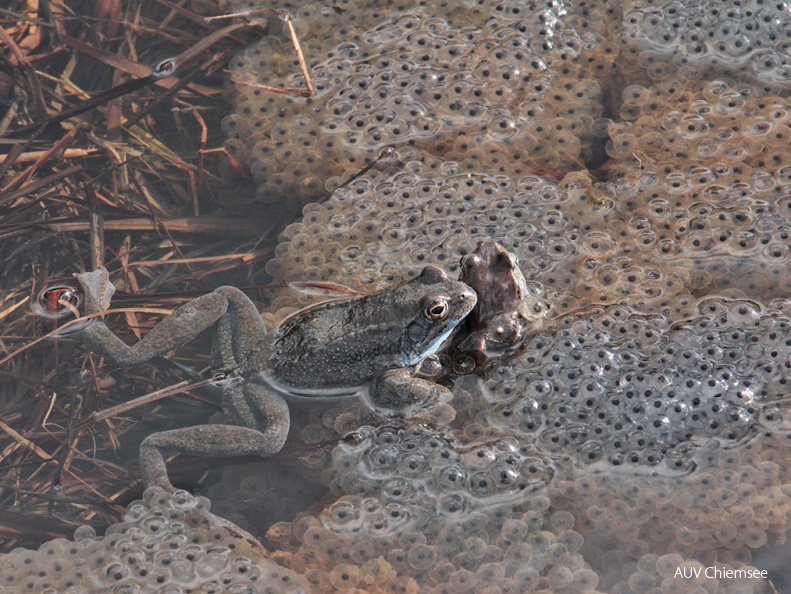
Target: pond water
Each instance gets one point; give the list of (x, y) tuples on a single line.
[(633, 155)]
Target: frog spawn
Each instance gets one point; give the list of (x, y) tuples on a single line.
[(386, 491), (721, 363), (415, 471), (735, 502), (741, 39), (574, 252), (371, 91), (621, 388), (166, 543), (521, 549), (603, 534), (436, 214), (733, 141), (716, 145), (676, 227)]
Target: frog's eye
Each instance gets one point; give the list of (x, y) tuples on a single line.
[(437, 310)]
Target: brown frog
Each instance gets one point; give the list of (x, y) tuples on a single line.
[(507, 308)]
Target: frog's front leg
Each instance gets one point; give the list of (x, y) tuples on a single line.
[(263, 412), (398, 392), (183, 324)]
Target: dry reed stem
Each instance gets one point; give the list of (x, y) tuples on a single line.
[(303, 66), (200, 225), (179, 388), (66, 154)]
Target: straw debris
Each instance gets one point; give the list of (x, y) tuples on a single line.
[(109, 112)]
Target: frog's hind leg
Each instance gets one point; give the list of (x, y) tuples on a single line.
[(236, 334), (264, 413), (183, 324)]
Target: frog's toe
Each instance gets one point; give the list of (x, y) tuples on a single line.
[(97, 288)]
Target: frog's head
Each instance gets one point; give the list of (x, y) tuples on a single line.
[(494, 274), (436, 305)]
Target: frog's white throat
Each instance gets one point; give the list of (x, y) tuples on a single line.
[(432, 348)]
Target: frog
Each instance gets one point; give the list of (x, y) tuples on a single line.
[(507, 310), (369, 346)]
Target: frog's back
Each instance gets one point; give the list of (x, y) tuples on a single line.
[(323, 349)]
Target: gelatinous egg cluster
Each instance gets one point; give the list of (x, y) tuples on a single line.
[(717, 124), (406, 470), (649, 272), (166, 543), (523, 549), (625, 388), (432, 212), (654, 391), (463, 87), (661, 237), (736, 500), (745, 37)]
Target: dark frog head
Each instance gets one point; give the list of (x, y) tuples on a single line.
[(507, 307), (434, 306)]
